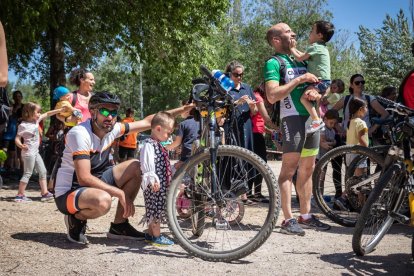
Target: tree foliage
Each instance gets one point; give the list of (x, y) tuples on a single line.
[(386, 52), (47, 38)]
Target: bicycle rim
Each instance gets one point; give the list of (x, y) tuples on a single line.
[(230, 231), (375, 220), (332, 177)]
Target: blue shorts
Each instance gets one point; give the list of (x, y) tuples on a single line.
[(68, 203), (321, 86)]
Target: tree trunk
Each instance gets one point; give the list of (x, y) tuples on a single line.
[(57, 62)]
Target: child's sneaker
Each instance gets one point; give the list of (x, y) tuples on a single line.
[(22, 198), (158, 241), (47, 197), (315, 126)]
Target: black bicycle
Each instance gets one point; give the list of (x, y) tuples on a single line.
[(386, 202), (219, 174)]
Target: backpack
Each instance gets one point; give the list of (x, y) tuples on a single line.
[(274, 109)]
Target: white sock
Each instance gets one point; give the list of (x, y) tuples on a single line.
[(306, 216)]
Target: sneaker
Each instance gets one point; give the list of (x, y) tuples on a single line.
[(158, 241), (124, 231), (76, 229), (341, 204), (47, 197), (22, 198), (261, 198), (313, 223), (315, 126), (291, 227)]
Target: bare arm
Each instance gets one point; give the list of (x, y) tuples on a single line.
[(263, 112), (4, 67), (339, 104), (380, 110), (299, 56), (145, 124), (276, 92), (362, 142), (51, 113), (178, 140), (18, 142)]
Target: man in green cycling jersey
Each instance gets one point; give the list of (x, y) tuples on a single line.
[(299, 150)]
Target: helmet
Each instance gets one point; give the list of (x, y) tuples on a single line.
[(103, 97)]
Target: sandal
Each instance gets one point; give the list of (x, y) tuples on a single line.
[(248, 202)]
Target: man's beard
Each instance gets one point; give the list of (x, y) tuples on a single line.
[(106, 127)]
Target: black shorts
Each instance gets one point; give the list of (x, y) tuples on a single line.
[(68, 203), (126, 152)]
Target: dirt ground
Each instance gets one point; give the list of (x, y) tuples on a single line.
[(33, 242)]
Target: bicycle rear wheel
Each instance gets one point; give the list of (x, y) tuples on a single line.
[(221, 229), (375, 219), (332, 178)]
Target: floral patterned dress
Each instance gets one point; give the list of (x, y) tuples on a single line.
[(155, 167)]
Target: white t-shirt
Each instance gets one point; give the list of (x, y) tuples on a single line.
[(29, 131)]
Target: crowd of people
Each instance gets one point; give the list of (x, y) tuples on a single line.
[(314, 118)]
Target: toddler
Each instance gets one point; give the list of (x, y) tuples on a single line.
[(28, 130), (156, 176), (61, 93), (317, 55)]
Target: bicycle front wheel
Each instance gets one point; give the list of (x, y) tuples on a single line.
[(220, 228), (338, 192), (375, 219)]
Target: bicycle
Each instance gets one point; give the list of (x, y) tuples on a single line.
[(332, 177), (384, 204), (219, 175)]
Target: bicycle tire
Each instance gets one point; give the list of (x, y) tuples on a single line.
[(325, 190), (375, 220), (239, 239)]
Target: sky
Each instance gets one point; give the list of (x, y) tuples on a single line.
[(348, 15)]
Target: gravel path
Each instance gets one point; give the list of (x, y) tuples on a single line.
[(33, 242)]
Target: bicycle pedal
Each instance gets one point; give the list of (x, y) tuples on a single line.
[(400, 218)]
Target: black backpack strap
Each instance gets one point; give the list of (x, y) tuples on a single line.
[(74, 98), (282, 69)]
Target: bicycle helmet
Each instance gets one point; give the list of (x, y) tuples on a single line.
[(103, 97)]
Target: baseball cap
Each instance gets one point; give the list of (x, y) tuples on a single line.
[(59, 92)]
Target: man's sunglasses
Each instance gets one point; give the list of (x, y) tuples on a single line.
[(237, 75), (359, 82), (106, 112)]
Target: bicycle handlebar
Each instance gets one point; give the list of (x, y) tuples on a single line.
[(397, 107)]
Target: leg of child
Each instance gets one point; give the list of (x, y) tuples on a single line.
[(28, 165), (317, 123), (41, 169), (154, 229)]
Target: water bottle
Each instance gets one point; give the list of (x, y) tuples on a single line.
[(225, 82)]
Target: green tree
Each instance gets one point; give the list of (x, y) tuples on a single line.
[(386, 52), (48, 38)]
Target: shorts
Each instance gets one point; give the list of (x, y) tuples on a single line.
[(321, 86), (294, 138), (68, 203), (126, 152)]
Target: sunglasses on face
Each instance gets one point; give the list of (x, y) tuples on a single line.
[(237, 75), (106, 112), (359, 82)]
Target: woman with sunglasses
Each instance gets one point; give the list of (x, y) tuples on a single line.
[(245, 105), (357, 90)]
